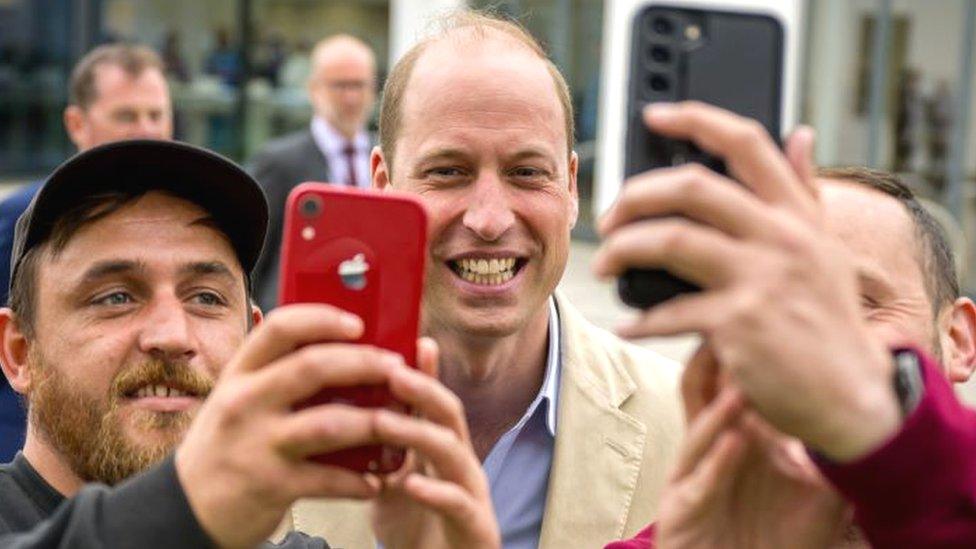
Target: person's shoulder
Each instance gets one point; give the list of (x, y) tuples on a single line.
[(285, 145), (606, 345), (649, 379), (17, 201)]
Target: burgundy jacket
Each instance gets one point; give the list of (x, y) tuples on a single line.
[(916, 490)]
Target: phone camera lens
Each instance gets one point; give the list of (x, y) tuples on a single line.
[(662, 25), (659, 83), (311, 206), (660, 54)]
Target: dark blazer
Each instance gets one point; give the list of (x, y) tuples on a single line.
[(13, 419), (279, 167)]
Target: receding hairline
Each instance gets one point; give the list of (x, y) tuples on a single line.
[(472, 29), (328, 47)]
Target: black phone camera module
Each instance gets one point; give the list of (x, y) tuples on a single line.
[(310, 206), (662, 25), (659, 83), (660, 54)]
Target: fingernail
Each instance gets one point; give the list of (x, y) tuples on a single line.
[(658, 112), (625, 329), (351, 323), (599, 265), (392, 360)]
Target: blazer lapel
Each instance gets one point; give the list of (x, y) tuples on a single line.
[(599, 447), (315, 163)]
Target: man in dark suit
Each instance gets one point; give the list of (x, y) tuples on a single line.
[(335, 148), (116, 92)]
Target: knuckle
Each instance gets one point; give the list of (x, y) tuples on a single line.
[(751, 134), (234, 403), (674, 236), (274, 324)]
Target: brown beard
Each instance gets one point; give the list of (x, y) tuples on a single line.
[(90, 433)]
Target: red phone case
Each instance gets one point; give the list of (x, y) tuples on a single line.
[(364, 252)]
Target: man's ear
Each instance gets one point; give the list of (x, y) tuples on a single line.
[(74, 124), (958, 340), (380, 171), (573, 189), (14, 347), (256, 315)]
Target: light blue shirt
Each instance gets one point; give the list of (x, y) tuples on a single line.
[(332, 144), (518, 465)]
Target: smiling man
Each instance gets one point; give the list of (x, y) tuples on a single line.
[(569, 421)]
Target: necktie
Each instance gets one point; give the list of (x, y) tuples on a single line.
[(350, 153)]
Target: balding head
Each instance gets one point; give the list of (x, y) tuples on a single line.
[(471, 31), (342, 82)]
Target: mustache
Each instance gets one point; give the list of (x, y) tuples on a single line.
[(174, 374)]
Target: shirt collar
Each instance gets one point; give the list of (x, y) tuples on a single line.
[(331, 141), (550, 383), (548, 396)]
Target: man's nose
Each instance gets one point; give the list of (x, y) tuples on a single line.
[(147, 126), (166, 332), (489, 211)]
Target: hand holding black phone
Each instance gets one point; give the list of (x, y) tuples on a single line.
[(734, 59)]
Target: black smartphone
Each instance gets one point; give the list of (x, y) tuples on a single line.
[(734, 59)]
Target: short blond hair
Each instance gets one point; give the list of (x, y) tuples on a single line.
[(480, 23)]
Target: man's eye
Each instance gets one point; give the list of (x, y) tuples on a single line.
[(868, 303), (125, 116), (445, 172), (209, 299), (114, 299), (526, 171)]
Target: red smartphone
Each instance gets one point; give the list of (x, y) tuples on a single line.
[(363, 252)]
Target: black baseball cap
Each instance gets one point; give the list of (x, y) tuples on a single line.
[(232, 197)]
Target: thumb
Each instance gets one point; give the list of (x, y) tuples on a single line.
[(799, 153), (428, 356)]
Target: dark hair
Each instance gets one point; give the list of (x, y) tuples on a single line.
[(938, 264), (23, 287), (132, 58)]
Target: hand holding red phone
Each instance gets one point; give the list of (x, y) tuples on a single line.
[(440, 498)]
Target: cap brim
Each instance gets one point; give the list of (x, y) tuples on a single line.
[(218, 185)]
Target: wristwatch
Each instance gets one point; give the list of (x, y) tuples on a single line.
[(907, 380)]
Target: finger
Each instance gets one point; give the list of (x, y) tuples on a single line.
[(749, 152), (697, 312), (290, 327), (313, 368), (716, 473), (694, 192), (428, 356), (309, 479), (799, 153), (443, 498), (430, 399), (699, 382), (325, 428), (688, 250), (704, 431), (452, 458)]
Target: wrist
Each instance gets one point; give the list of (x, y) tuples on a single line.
[(868, 417)]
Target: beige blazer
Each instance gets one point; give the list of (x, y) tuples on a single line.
[(618, 426)]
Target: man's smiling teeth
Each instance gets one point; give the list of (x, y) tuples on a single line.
[(159, 391), (488, 272)]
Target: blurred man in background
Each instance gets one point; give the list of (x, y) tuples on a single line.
[(116, 92), (335, 148)]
